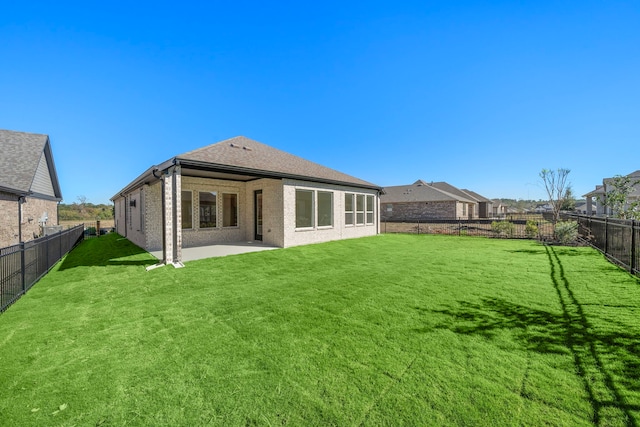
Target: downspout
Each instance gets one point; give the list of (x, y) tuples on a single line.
[(125, 213), (20, 202)]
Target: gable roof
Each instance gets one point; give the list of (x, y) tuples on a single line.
[(244, 159), (26, 165), (477, 196), (420, 191)]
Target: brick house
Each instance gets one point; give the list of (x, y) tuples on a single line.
[(599, 195), (241, 190), (29, 188), (422, 200)]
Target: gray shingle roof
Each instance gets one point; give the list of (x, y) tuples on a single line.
[(20, 155), (243, 159), (477, 196), (249, 155), (419, 191)]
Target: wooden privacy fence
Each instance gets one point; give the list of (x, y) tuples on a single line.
[(618, 239), (22, 265)]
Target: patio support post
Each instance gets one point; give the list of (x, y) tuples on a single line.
[(173, 229), (177, 216)]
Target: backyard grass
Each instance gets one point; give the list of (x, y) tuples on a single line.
[(388, 330)]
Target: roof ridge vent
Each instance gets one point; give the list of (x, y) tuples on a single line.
[(247, 148), (234, 145)]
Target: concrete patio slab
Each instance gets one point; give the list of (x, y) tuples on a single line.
[(218, 250)]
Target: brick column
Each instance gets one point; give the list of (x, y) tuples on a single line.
[(172, 182), (167, 182), (177, 203)]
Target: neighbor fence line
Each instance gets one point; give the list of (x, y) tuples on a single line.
[(22, 265), (617, 239), (474, 227)]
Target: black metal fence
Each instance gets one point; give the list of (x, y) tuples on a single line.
[(22, 265), (515, 227), (618, 239)]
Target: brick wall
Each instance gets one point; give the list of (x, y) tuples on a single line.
[(338, 230), (416, 210), (32, 210)]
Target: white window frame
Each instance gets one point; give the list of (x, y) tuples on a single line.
[(360, 213), (317, 210), (312, 209), (352, 196), (369, 199)]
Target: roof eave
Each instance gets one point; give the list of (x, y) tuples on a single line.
[(263, 173)]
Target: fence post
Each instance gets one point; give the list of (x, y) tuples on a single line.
[(606, 235), (418, 227), (633, 246), (97, 228), (23, 271)]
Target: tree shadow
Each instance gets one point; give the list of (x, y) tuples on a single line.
[(111, 249), (593, 350)]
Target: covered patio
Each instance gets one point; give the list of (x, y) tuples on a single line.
[(219, 250)]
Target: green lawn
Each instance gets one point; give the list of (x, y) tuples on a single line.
[(389, 330)]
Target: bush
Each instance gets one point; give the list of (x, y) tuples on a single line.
[(503, 228), (566, 232), (531, 229)]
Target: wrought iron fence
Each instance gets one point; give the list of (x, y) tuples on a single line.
[(515, 227), (22, 265), (618, 239)]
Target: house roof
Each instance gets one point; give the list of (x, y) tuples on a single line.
[(421, 191), (26, 165), (477, 196), (244, 159)]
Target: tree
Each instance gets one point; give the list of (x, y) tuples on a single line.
[(558, 189), (82, 204), (569, 203), (617, 197)]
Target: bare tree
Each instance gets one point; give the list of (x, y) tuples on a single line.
[(558, 189), (81, 204)]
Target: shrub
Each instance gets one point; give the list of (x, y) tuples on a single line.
[(531, 229), (566, 231), (503, 228)]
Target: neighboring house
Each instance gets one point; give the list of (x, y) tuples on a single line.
[(599, 195), (241, 190), (422, 200), (581, 208), (544, 207), (485, 206), (29, 188)]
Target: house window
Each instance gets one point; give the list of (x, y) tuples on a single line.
[(464, 209), (370, 201), (208, 217), (229, 210), (389, 208), (187, 209), (325, 209), (348, 208), (360, 209), (304, 208)]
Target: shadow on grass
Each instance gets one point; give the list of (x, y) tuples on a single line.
[(111, 249), (594, 351)]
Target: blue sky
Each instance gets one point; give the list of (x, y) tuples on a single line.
[(481, 94)]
